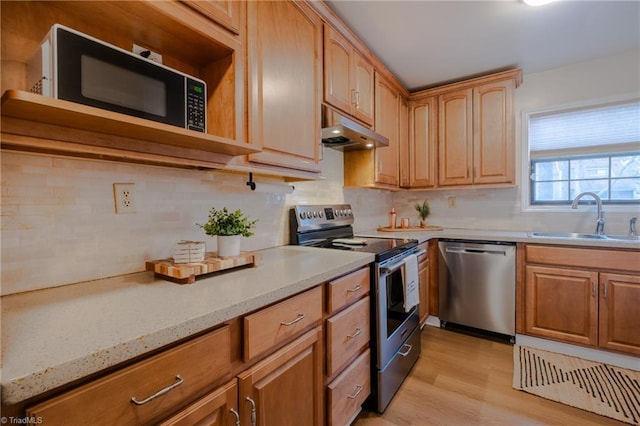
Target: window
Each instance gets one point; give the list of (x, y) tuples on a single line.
[(593, 149)]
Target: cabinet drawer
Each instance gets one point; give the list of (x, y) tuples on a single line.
[(184, 372), (348, 391), (347, 333), (271, 326), (346, 290), (584, 257)]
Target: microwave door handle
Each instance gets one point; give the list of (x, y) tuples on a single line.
[(389, 269)]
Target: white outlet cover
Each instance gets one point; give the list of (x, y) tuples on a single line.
[(124, 195)]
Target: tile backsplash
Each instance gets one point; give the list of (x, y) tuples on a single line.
[(59, 224)]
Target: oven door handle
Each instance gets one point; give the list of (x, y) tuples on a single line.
[(388, 269)]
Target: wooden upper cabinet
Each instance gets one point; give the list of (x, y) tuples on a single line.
[(387, 101), (493, 134), (404, 149), (284, 46), (455, 143), (224, 12), (348, 77), (423, 143)]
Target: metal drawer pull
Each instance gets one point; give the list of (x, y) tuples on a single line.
[(356, 333), (358, 390), (237, 415), (353, 290), (299, 318), (254, 417), (179, 381), (408, 350)]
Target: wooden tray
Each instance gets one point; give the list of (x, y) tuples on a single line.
[(186, 273), (411, 228)]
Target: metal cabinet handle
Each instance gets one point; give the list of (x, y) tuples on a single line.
[(356, 333), (355, 289), (593, 288), (357, 99), (253, 411), (179, 381), (605, 289), (357, 392), (299, 318), (408, 350), (237, 416)]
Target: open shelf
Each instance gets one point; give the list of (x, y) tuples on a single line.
[(37, 108)]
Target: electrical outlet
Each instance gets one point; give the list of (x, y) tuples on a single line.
[(125, 197), (152, 56)]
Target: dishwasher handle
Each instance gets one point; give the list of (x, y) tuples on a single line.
[(460, 250)]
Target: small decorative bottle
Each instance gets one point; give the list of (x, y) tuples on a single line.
[(392, 218)]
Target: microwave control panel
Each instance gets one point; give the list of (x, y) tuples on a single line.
[(196, 105)]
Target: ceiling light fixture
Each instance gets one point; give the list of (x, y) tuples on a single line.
[(536, 2)]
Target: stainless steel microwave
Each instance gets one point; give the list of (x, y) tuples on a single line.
[(75, 67)]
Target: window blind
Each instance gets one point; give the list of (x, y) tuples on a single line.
[(584, 129)]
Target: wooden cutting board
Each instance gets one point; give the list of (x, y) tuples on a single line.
[(411, 228), (186, 273)]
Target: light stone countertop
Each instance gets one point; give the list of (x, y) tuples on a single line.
[(54, 336), (506, 236)]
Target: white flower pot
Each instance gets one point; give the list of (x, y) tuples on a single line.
[(229, 245)]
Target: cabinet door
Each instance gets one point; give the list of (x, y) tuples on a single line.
[(423, 276), (620, 313), (337, 71), (285, 76), (225, 12), (387, 109), (363, 81), (493, 137), (404, 149), (562, 304), (285, 388), (215, 409), (455, 143), (423, 139)]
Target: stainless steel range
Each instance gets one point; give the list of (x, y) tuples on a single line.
[(395, 339)]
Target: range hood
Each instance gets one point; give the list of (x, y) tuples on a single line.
[(342, 133)]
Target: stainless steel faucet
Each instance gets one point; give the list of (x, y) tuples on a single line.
[(600, 220), (632, 227)]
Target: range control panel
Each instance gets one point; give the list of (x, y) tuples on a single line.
[(309, 217)]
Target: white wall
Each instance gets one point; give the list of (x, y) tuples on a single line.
[(59, 225), (500, 209)]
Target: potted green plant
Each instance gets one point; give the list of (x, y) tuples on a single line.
[(423, 211), (228, 227)]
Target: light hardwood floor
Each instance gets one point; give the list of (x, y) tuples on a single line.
[(465, 380)]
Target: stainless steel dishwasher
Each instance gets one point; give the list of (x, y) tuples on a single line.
[(477, 285)]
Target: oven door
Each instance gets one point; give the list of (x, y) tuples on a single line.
[(393, 324)]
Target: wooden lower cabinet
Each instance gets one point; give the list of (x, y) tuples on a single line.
[(159, 385), (219, 408), (286, 387), (266, 368), (423, 277), (620, 312), (571, 295), (349, 390), (562, 304)]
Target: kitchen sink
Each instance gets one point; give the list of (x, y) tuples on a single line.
[(578, 235), (572, 235)]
